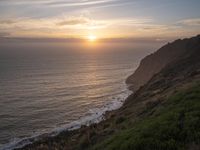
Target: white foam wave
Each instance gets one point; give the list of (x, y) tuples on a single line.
[(95, 116)]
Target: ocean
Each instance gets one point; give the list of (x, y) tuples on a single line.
[(49, 87)]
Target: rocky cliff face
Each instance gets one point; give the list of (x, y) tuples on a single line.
[(153, 63)]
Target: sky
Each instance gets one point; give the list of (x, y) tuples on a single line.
[(100, 18)]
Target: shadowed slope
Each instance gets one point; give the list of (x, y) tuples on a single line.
[(153, 63)]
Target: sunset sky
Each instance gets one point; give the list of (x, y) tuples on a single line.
[(99, 18)]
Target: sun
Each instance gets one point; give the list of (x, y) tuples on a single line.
[(92, 38)]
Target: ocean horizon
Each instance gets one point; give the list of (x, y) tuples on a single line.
[(44, 91)]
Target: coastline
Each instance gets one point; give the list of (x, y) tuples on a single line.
[(165, 104), (96, 116)]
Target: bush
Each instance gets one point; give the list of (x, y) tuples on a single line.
[(120, 120)]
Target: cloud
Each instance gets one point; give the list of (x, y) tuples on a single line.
[(84, 23), (90, 24), (62, 3), (132, 21), (190, 22), (4, 34), (21, 2), (56, 3), (73, 21), (72, 25), (81, 26), (7, 21)]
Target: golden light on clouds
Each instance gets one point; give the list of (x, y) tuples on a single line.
[(78, 18), (81, 26)]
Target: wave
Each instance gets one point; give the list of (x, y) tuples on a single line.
[(95, 115)]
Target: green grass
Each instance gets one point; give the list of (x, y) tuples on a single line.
[(173, 126)]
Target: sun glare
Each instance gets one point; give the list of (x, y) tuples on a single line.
[(92, 38)]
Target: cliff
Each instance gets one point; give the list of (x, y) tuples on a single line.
[(153, 63), (163, 114)]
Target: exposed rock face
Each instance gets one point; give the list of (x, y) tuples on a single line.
[(154, 63)]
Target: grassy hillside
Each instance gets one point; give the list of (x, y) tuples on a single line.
[(172, 126)]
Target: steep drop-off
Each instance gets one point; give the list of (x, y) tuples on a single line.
[(153, 63)]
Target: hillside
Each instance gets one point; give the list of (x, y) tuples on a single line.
[(163, 114), (167, 54)]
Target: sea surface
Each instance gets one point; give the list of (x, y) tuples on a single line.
[(50, 87)]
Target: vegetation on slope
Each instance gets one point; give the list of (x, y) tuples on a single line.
[(175, 125)]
